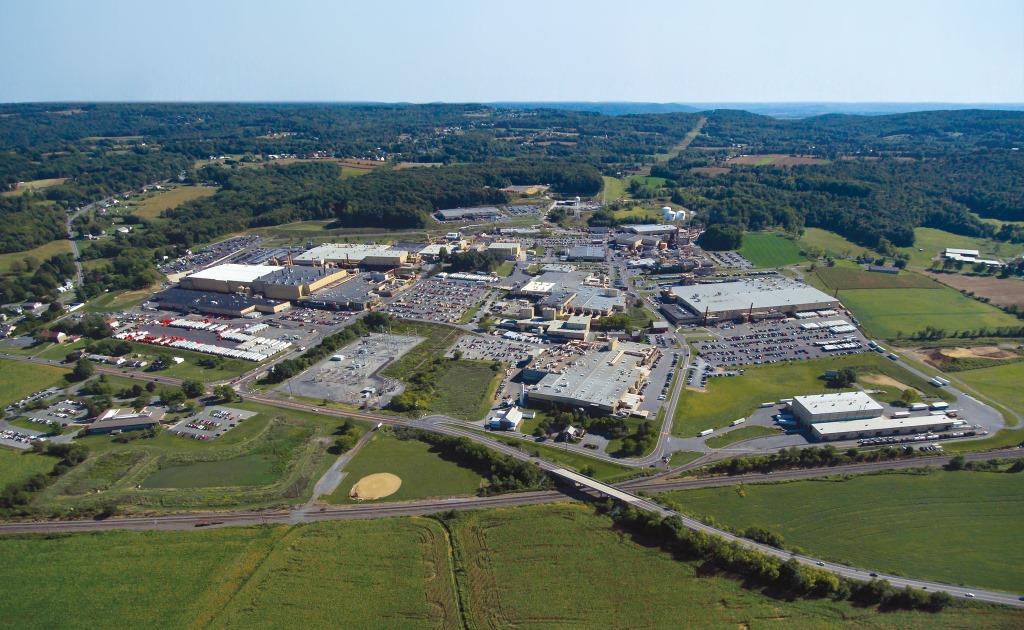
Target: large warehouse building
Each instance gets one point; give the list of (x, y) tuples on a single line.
[(880, 426), (756, 297), (228, 278), (834, 407), (602, 381), (353, 254)]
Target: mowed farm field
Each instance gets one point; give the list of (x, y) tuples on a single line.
[(830, 243), (19, 379), (999, 291), (954, 527), (774, 159), (154, 203), (496, 568), (887, 313), (849, 276), (770, 249), (423, 473)]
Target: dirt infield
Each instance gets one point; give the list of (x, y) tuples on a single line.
[(1002, 292), (883, 381), (775, 159), (375, 486)]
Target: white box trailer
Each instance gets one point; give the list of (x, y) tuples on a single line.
[(705, 432), (901, 414), (737, 422), (918, 407), (939, 405)]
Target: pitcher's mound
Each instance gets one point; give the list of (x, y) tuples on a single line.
[(375, 486)]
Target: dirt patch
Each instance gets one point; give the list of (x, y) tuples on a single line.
[(375, 486), (883, 381), (999, 291), (978, 352)]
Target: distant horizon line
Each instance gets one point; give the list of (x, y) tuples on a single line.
[(501, 102)]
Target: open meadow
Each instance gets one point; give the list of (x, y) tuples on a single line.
[(775, 159), (413, 572), (423, 472), (154, 203), (727, 399), (41, 253), (830, 243), (1003, 383), (955, 527), (999, 291), (16, 465), (887, 314), (770, 249), (845, 275), (19, 379)]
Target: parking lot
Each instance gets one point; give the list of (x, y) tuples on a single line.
[(494, 348), (64, 412), (731, 260), (210, 254), (352, 374), (437, 300), (211, 422), (776, 341)]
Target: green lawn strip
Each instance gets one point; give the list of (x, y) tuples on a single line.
[(17, 465), (117, 301), (888, 314), (423, 472), (729, 398), (1004, 438), (20, 378), (465, 389), (955, 527), (739, 435), (770, 249), (681, 458)]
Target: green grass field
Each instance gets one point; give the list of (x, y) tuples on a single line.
[(117, 301), (830, 243), (850, 276), (739, 435), (154, 203), (247, 470), (729, 398), (465, 389), (408, 573), (929, 242), (959, 527), (40, 253), (424, 474), (887, 313), (19, 379), (190, 369), (35, 184), (538, 548), (1003, 383), (18, 465), (770, 249)]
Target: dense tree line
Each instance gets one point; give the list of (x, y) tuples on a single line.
[(16, 496), (784, 578), (28, 278)]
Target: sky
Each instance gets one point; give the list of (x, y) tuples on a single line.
[(682, 51)]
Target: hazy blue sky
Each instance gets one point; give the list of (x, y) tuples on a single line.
[(448, 50)]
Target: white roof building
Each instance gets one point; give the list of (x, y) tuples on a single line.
[(231, 272), (835, 407), (757, 295), (879, 426)]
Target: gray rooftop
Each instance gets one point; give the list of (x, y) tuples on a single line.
[(775, 292), (600, 378), (296, 275)]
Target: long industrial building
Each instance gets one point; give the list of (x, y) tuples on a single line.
[(878, 427), (756, 297), (354, 254), (602, 381), (834, 407)]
